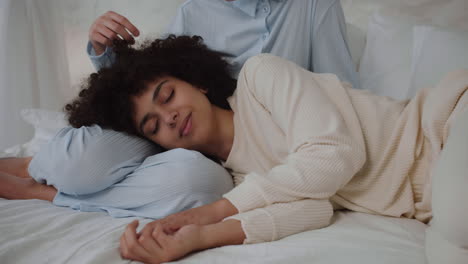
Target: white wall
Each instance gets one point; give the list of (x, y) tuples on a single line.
[(151, 17)]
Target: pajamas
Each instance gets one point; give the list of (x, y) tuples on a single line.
[(329, 146), (310, 33)]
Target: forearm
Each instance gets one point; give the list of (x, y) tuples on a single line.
[(204, 215), (224, 233), (207, 214), (41, 192), (14, 188), (16, 166)]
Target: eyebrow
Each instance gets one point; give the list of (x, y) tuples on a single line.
[(155, 96)]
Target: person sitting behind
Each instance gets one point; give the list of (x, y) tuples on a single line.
[(311, 33)]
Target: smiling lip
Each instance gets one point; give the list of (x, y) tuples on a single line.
[(186, 126)]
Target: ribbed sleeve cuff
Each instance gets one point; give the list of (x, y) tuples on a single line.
[(258, 226), (284, 219), (246, 196)]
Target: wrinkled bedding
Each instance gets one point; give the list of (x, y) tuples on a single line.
[(34, 231)]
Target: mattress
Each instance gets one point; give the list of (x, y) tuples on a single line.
[(35, 231)]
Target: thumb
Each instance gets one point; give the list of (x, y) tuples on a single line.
[(134, 224)]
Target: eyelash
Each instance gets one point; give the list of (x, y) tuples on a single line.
[(166, 101), (155, 128), (169, 97)]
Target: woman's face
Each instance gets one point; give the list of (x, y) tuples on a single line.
[(174, 114)]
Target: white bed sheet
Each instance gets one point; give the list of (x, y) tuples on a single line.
[(34, 231)]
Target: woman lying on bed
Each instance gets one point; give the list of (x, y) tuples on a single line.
[(299, 145), (94, 169)]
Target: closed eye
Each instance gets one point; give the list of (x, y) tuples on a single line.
[(169, 97), (156, 125), (151, 126)]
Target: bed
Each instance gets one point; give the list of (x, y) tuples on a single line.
[(37, 232), (395, 56)]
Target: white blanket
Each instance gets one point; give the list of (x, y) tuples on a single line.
[(33, 231)]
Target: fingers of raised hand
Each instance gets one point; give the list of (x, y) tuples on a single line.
[(103, 36), (111, 26), (114, 29), (124, 22)]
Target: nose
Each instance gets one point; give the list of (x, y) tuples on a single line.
[(171, 118)]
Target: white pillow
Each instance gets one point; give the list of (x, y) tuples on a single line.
[(436, 52), (46, 124), (385, 67)]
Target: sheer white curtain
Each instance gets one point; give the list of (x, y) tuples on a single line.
[(33, 65)]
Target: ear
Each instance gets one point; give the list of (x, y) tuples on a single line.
[(203, 90)]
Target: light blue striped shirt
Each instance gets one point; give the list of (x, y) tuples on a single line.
[(311, 33)]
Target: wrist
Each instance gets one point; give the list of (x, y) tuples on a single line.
[(224, 233), (98, 48), (224, 208)]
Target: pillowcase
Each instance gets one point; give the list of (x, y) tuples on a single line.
[(86, 160), (166, 183), (385, 67), (97, 169), (436, 52)]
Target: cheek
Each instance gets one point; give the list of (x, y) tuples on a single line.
[(164, 139), (153, 139)]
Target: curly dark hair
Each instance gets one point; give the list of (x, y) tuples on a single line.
[(106, 95)]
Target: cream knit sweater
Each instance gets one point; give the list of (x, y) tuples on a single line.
[(306, 144)]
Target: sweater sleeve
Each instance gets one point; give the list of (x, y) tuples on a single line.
[(325, 149), (283, 219)]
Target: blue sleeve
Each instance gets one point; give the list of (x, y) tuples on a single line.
[(330, 49), (177, 26), (164, 184), (106, 59)]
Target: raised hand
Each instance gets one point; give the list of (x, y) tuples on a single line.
[(108, 27)]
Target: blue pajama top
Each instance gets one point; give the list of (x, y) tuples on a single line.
[(311, 33)]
